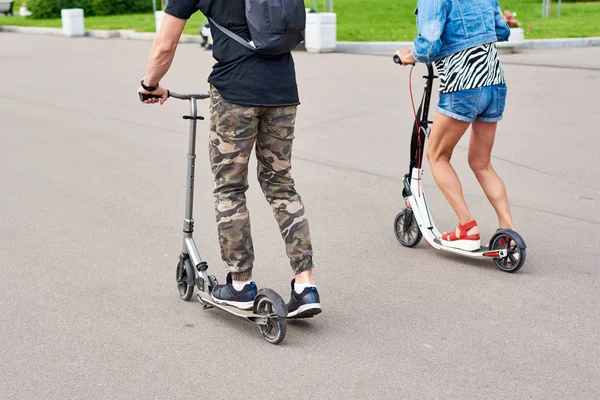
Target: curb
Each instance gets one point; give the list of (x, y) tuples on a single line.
[(98, 34), (390, 47), (560, 43), (32, 30), (532, 44), (101, 34), (342, 47), (371, 47)]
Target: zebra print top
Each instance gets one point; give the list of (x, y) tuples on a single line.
[(472, 68)]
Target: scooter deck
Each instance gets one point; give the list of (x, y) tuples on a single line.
[(475, 253), (206, 298)]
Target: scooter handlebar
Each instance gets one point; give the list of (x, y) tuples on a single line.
[(199, 96), (146, 96), (189, 96), (398, 61)]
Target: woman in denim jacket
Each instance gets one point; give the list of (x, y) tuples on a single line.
[(458, 37)]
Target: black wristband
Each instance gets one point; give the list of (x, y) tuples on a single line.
[(148, 88)]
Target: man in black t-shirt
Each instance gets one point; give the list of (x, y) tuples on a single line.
[(253, 101)]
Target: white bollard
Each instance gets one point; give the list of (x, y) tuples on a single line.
[(517, 36), (320, 34), (158, 17), (72, 22)]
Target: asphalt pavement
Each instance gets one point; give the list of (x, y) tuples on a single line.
[(92, 187)]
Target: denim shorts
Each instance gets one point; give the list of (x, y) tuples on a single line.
[(484, 104)]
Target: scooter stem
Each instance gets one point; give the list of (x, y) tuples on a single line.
[(188, 224)]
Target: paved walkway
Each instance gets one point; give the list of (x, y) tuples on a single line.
[(92, 187)]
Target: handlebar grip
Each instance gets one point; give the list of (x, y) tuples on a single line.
[(397, 59), (144, 96)]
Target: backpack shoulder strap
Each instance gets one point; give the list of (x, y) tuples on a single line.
[(233, 35)]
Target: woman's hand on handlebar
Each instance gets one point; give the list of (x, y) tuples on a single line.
[(406, 57), (160, 91)]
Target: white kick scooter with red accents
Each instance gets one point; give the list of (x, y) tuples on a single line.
[(506, 247)]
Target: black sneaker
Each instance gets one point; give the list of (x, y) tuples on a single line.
[(304, 305), (226, 294)]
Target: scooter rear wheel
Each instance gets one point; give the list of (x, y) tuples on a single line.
[(407, 229), (271, 305), (515, 248)]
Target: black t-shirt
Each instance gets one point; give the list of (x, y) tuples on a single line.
[(241, 75)]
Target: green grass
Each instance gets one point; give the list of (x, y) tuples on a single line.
[(137, 22), (576, 20), (387, 20), (378, 20)]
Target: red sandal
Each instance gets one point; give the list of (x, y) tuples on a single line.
[(462, 241)]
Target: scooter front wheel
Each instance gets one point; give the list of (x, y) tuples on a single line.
[(185, 279), (407, 229), (271, 305), (513, 243)]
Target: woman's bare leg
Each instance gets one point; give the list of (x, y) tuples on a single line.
[(445, 134), (480, 150)]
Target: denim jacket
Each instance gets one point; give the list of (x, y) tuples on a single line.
[(449, 26)]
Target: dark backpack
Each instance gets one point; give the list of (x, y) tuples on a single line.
[(276, 26)]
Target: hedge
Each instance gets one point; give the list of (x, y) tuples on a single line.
[(51, 8)]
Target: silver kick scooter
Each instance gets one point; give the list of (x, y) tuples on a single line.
[(269, 311)]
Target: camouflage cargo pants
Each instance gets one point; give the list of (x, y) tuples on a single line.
[(234, 131)]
